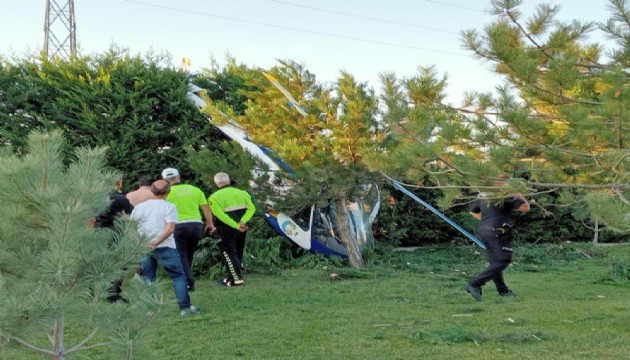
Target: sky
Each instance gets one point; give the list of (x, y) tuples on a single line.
[(363, 37)]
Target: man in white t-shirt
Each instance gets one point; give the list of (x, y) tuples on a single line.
[(156, 220)]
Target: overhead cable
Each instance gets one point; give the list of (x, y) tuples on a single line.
[(282, 27), (364, 17)]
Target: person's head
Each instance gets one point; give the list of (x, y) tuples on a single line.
[(221, 179), (171, 174), (145, 180), (500, 179), (118, 183), (161, 188)]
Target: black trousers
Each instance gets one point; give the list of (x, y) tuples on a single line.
[(499, 251), (232, 246), (113, 293), (187, 237)]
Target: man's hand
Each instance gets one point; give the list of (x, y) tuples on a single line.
[(243, 227), (154, 244), (210, 229)]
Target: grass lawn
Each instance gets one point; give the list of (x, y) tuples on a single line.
[(573, 302)]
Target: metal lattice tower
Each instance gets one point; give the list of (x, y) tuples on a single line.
[(60, 38)]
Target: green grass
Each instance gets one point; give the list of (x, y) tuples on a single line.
[(573, 303)]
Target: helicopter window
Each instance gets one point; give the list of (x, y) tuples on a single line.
[(303, 218)]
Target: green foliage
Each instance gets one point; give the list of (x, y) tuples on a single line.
[(136, 107), (270, 253), (618, 264), (317, 261), (55, 271), (550, 253), (620, 271), (404, 222), (226, 156)]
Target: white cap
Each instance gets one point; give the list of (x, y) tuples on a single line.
[(169, 173)]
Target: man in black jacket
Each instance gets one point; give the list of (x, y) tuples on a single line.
[(495, 231), (119, 205)]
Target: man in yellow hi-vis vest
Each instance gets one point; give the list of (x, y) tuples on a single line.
[(232, 208)]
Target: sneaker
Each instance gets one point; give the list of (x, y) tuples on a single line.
[(224, 282), (238, 282), (192, 310), (508, 293), (475, 291)]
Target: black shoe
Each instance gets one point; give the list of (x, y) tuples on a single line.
[(117, 299), (475, 291), (508, 293)]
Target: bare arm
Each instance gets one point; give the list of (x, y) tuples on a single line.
[(525, 206)]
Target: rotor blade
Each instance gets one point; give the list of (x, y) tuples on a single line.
[(399, 186), (286, 93)]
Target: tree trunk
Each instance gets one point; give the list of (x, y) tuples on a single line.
[(349, 240), (596, 232), (58, 336)]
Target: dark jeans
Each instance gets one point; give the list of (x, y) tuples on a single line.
[(499, 251), (187, 236), (171, 261)]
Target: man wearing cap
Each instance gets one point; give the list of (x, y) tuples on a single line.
[(188, 200), (232, 208)]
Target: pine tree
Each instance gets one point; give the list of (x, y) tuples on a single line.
[(557, 125), (54, 269)]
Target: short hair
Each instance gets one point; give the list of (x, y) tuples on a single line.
[(145, 180), (221, 178), (160, 187)]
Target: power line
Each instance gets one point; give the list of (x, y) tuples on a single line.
[(282, 27), (455, 6), (363, 17)]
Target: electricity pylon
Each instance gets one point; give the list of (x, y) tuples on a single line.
[(60, 38)]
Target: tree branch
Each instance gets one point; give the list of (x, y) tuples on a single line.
[(621, 196), (81, 345), (31, 347), (579, 186)]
